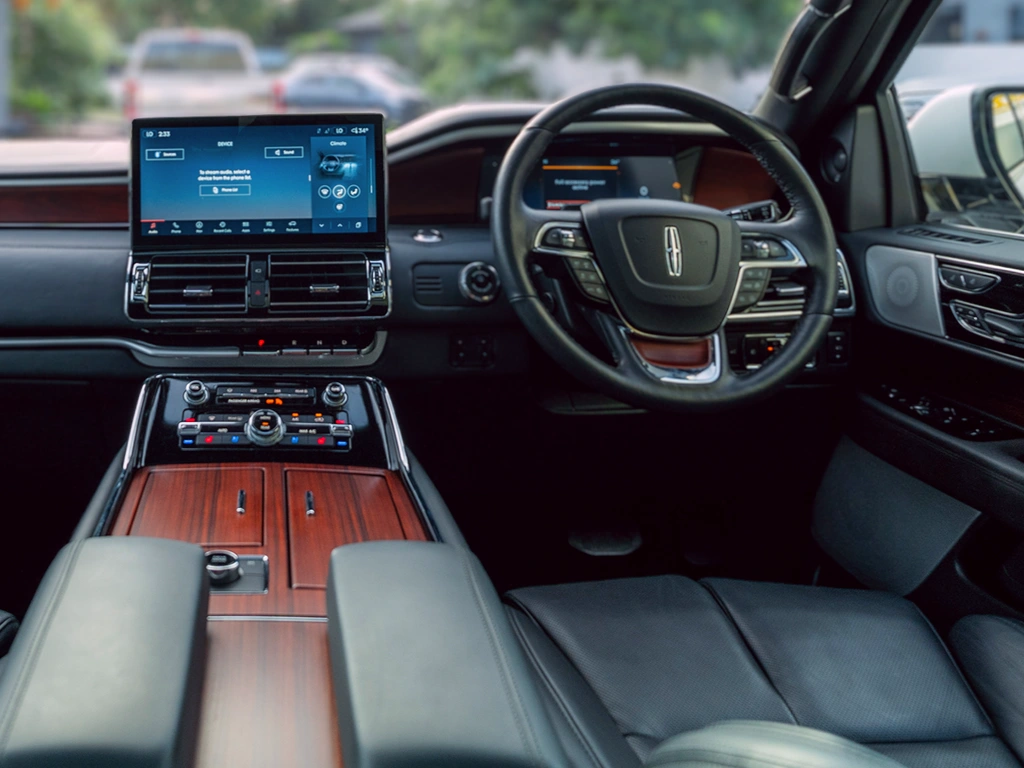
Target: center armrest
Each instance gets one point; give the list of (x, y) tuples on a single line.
[(108, 666), (426, 668)]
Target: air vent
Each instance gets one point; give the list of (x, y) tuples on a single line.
[(197, 283), (318, 283), (938, 234)]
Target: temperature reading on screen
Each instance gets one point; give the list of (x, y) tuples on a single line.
[(358, 130)]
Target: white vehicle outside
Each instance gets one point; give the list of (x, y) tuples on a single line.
[(194, 72)]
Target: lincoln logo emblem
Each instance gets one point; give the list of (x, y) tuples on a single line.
[(673, 252)]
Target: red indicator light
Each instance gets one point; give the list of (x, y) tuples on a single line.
[(208, 439), (261, 342), (339, 421), (321, 441), (191, 418)]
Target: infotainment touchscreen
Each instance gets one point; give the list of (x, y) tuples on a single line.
[(278, 179)]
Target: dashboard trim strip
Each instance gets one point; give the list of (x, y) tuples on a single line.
[(140, 350), (509, 130)]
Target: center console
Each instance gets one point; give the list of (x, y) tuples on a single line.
[(267, 235), (276, 472)]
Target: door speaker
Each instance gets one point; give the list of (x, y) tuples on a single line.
[(904, 287)]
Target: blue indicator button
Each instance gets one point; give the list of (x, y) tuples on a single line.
[(235, 438), (342, 443), (295, 440), (188, 441)]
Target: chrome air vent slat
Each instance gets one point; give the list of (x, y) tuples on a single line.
[(182, 283), (318, 283)]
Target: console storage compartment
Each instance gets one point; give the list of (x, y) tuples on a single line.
[(108, 666), (211, 506), (328, 508)]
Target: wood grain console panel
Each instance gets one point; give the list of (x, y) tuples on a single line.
[(268, 697), (345, 508), (201, 505), (353, 504)]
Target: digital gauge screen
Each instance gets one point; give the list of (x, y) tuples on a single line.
[(566, 183)]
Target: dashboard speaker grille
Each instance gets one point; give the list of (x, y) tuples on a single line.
[(197, 283), (318, 283)]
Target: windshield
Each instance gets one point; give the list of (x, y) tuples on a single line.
[(82, 69)]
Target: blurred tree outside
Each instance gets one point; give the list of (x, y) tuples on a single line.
[(59, 55), (461, 49), (464, 46)]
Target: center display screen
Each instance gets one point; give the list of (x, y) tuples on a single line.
[(283, 179)]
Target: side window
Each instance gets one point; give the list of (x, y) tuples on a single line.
[(962, 94)]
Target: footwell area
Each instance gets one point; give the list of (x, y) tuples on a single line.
[(59, 440), (726, 494)]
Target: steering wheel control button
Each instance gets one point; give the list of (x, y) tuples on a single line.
[(763, 249), (562, 238), (196, 393), (479, 282), (966, 282), (265, 427), (746, 299), (335, 395), (597, 292), (222, 566)]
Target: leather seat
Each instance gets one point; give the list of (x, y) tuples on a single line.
[(625, 665), (8, 629)]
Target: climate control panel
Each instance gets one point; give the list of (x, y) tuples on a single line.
[(305, 419), (265, 428)]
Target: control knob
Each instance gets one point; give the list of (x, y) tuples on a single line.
[(222, 566), (196, 393), (335, 394), (479, 282), (264, 427)]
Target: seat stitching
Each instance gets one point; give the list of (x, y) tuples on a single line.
[(36, 640), (555, 692), (960, 674), (746, 643), (511, 597), (935, 741), (714, 757), (511, 690)]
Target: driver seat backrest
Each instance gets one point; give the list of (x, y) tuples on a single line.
[(627, 664)]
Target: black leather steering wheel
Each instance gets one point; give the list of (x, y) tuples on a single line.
[(657, 278)]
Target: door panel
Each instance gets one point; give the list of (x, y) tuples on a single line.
[(941, 404)]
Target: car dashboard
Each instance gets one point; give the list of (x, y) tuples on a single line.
[(437, 310)]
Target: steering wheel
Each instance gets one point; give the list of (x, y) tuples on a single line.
[(657, 279)]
